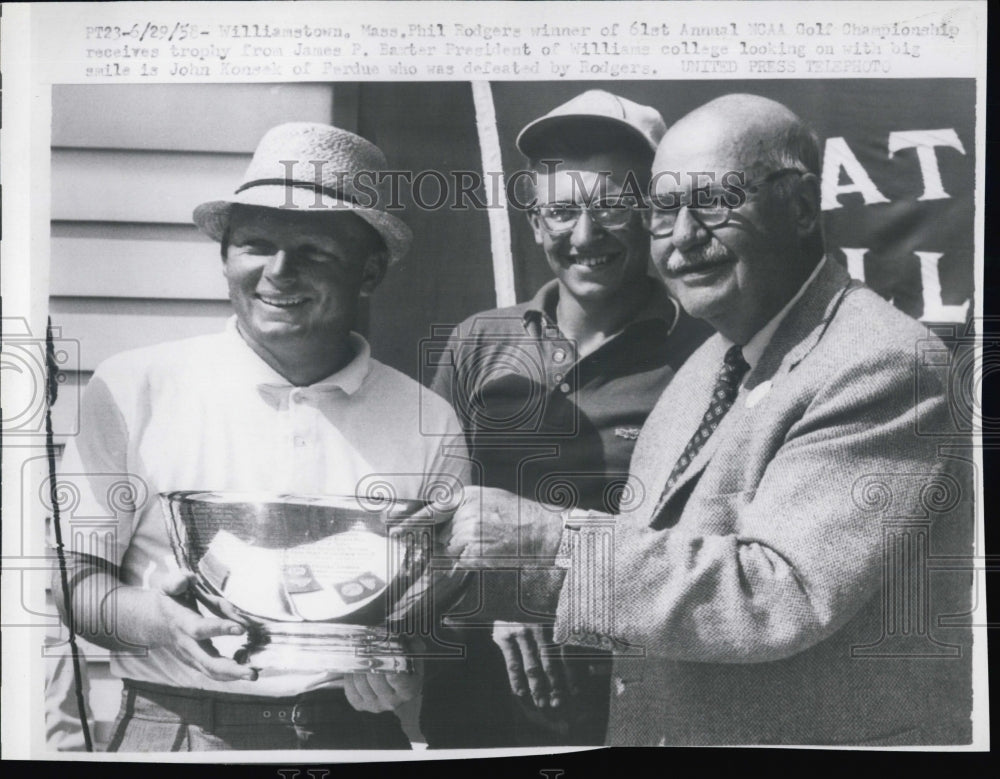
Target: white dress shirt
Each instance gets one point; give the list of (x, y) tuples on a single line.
[(754, 348)]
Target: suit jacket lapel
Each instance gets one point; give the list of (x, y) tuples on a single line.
[(795, 337)]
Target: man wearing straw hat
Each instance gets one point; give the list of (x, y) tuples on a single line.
[(552, 394), (287, 399)]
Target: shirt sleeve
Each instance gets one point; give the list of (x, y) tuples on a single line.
[(96, 491), (807, 550), (449, 471), (447, 369)]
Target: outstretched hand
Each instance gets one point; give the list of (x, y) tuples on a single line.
[(491, 526)]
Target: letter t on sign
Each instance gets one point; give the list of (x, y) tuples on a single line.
[(925, 141)]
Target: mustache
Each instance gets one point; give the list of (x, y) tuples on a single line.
[(713, 253)]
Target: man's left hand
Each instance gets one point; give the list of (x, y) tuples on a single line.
[(535, 667)]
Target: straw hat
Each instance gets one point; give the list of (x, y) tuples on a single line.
[(598, 107), (299, 164)]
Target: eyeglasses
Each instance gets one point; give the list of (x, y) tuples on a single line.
[(612, 214), (659, 219)]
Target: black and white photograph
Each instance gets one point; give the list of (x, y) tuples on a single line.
[(382, 383)]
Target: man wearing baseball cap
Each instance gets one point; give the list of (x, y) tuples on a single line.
[(552, 394), (287, 399)]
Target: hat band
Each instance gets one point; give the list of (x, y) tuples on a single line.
[(336, 194)]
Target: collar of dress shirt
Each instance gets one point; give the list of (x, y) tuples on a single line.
[(658, 305), (755, 347), (348, 379)]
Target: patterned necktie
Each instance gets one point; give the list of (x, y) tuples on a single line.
[(727, 387)]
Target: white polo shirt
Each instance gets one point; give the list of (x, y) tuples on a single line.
[(207, 413)]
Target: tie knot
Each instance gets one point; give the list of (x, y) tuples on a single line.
[(734, 358), (734, 367)]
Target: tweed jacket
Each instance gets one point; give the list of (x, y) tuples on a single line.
[(782, 595)]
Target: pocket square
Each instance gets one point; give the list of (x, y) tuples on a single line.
[(756, 395)]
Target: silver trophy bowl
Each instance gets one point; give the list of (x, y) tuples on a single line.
[(321, 583)]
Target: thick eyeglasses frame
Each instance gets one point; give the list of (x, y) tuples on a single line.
[(608, 214), (708, 217)]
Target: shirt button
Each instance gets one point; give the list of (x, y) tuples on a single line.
[(564, 387), (559, 355), (558, 377), (299, 441), (295, 395)]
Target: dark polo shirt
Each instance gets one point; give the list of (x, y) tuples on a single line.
[(545, 423)]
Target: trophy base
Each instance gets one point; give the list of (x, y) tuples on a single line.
[(297, 647)]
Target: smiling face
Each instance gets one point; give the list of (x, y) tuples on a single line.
[(295, 279), (740, 274), (593, 263)]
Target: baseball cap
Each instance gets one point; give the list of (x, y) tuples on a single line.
[(595, 106)]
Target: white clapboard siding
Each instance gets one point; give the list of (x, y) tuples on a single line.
[(139, 186), (136, 268), (106, 326), (192, 117)]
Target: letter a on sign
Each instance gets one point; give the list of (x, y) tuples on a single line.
[(839, 157)]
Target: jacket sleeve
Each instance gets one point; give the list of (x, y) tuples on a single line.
[(807, 550)]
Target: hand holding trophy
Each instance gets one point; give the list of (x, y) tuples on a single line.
[(320, 582)]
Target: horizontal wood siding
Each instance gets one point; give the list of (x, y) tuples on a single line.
[(112, 267)]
